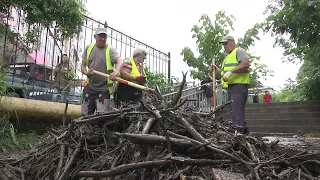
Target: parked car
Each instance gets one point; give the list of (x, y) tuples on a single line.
[(28, 81)]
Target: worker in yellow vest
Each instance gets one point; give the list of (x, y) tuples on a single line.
[(99, 56), (236, 79), (133, 71)]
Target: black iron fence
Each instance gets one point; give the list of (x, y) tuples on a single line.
[(31, 52)]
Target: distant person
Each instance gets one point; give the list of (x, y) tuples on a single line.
[(206, 87), (63, 74), (267, 98), (255, 98)]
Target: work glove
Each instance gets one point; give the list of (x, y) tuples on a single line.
[(141, 79), (226, 76)]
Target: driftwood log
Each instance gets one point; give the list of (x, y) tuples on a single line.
[(153, 140), (23, 109)]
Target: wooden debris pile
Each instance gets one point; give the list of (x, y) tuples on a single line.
[(148, 141)]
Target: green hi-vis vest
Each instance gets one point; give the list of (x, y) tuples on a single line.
[(108, 64), (229, 63), (134, 69)]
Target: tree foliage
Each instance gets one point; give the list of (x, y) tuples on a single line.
[(298, 19), (308, 80), (289, 93), (295, 24), (67, 14), (207, 36), (159, 79)]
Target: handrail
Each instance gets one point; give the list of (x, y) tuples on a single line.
[(201, 101)]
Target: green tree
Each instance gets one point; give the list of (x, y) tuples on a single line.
[(208, 34), (295, 25), (289, 93), (308, 80), (67, 14), (159, 79), (63, 17)]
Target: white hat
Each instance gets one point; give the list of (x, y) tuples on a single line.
[(101, 31)]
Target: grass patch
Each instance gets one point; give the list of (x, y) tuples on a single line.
[(313, 135), (11, 140)]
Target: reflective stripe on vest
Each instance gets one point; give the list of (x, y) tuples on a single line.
[(229, 63), (135, 70), (108, 64)]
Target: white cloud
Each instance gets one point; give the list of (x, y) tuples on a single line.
[(166, 25)]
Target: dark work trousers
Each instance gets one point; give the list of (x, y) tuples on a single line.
[(238, 93), (93, 100), (126, 94)]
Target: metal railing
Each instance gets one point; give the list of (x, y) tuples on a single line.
[(30, 63), (198, 97)]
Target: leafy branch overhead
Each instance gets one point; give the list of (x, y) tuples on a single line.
[(67, 14), (298, 20), (207, 36), (295, 24)]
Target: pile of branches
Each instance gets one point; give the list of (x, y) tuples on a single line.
[(152, 140)]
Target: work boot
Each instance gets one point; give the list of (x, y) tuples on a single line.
[(245, 130), (242, 130)]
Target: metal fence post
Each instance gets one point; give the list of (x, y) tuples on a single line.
[(213, 85)]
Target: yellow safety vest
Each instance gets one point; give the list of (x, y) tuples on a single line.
[(108, 64), (229, 63), (134, 69)]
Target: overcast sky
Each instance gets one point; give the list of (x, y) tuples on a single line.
[(166, 25)]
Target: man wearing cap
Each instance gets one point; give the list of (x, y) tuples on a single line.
[(132, 71), (63, 74), (99, 56), (236, 79)]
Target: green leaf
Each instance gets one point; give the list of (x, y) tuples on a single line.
[(296, 28), (68, 14), (207, 41)]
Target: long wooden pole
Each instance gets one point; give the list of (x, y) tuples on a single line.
[(138, 86), (213, 84)]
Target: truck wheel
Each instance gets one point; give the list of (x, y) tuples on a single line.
[(13, 94)]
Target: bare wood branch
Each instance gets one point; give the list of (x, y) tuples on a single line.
[(178, 95), (60, 163), (66, 168), (124, 168), (154, 139)]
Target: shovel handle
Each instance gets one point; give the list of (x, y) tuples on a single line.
[(138, 86)]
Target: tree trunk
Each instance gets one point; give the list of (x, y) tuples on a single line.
[(29, 109)]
